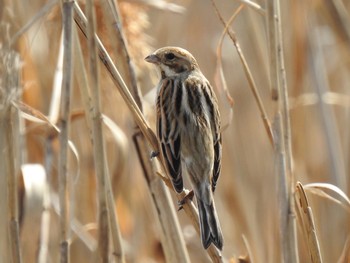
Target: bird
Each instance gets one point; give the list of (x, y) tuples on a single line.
[(188, 132)]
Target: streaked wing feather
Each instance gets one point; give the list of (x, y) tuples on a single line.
[(217, 163), (215, 127), (168, 134)]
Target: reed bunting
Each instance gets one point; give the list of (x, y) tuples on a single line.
[(188, 130)]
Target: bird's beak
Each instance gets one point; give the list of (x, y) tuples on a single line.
[(152, 59)]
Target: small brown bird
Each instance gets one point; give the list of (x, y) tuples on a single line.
[(188, 130)]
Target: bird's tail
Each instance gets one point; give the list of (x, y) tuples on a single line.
[(209, 224)]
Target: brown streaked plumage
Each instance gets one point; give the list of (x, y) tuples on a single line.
[(188, 130)]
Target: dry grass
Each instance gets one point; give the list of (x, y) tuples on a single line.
[(77, 180)]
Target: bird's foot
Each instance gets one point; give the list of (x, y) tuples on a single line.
[(183, 201)]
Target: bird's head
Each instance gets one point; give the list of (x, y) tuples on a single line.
[(173, 61)]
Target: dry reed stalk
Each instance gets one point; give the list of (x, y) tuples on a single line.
[(282, 185), (140, 121), (249, 76), (271, 36), (291, 252), (10, 92), (64, 124), (308, 226), (283, 89), (4, 248), (118, 251), (98, 141), (306, 217)]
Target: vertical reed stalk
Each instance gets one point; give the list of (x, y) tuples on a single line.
[(64, 124), (282, 183), (98, 141), (290, 254), (12, 83), (271, 31), (331, 131)]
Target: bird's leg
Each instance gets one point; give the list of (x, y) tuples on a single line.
[(183, 201)]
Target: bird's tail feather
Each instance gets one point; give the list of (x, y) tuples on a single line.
[(209, 225)]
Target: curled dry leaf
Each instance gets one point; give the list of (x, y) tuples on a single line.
[(254, 6), (319, 189)]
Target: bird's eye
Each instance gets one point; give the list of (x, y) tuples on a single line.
[(170, 56)]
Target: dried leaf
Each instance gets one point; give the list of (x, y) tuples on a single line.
[(318, 188)]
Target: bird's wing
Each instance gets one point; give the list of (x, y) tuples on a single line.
[(168, 132), (217, 162), (215, 127)]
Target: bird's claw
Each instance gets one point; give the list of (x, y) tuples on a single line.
[(183, 201)]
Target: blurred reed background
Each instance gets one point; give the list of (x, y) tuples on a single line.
[(265, 214)]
